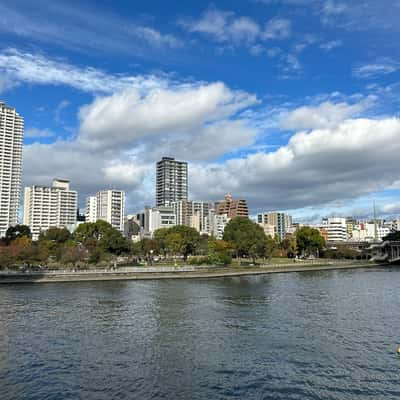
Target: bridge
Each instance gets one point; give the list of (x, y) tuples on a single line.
[(385, 252)]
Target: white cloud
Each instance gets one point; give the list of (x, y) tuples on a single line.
[(326, 114), (356, 157), (226, 27), (278, 29), (82, 28), (383, 66), (333, 44), (37, 69), (38, 133), (125, 117)]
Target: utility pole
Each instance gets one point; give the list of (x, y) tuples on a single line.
[(375, 227)]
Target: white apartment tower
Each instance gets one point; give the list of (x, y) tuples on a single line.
[(50, 207), (171, 181), (110, 207), (11, 137), (91, 209)]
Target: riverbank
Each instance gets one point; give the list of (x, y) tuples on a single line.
[(187, 272)]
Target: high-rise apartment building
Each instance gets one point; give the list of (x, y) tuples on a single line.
[(110, 207), (11, 137), (91, 209), (281, 221), (232, 208), (50, 207), (171, 181)]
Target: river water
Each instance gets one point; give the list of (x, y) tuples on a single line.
[(311, 335)]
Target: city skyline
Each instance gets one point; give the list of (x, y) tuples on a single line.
[(278, 103)]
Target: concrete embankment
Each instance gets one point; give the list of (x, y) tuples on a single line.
[(187, 272)]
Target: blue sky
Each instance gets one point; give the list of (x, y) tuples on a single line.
[(292, 104)]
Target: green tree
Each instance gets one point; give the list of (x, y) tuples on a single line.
[(246, 237), (270, 246), (189, 239), (393, 236), (56, 235), (17, 231), (309, 241), (219, 252), (160, 236), (101, 234), (289, 245)]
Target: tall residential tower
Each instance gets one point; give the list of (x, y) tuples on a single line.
[(171, 181), (11, 137)]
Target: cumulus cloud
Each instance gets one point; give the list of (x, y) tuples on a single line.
[(356, 157), (124, 117), (326, 114)]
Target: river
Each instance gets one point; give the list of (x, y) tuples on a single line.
[(310, 335)]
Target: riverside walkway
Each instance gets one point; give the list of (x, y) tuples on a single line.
[(182, 272)]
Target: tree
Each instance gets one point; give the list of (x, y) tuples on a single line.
[(73, 253), (218, 252), (393, 236), (289, 245), (56, 235), (101, 234), (270, 246), (189, 239), (160, 237), (17, 231), (246, 237), (309, 241)]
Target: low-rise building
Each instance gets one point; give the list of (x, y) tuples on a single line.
[(157, 218), (336, 228)]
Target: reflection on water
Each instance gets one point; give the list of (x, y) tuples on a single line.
[(313, 335)]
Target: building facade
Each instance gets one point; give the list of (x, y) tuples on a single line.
[(336, 229), (91, 209), (216, 223), (281, 221), (171, 181), (192, 213), (50, 207), (157, 218), (232, 208), (11, 138), (110, 207)]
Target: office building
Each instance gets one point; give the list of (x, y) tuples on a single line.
[(171, 181), (11, 137), (336, 229), (50, 206), (232, 208), (281, 221)]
